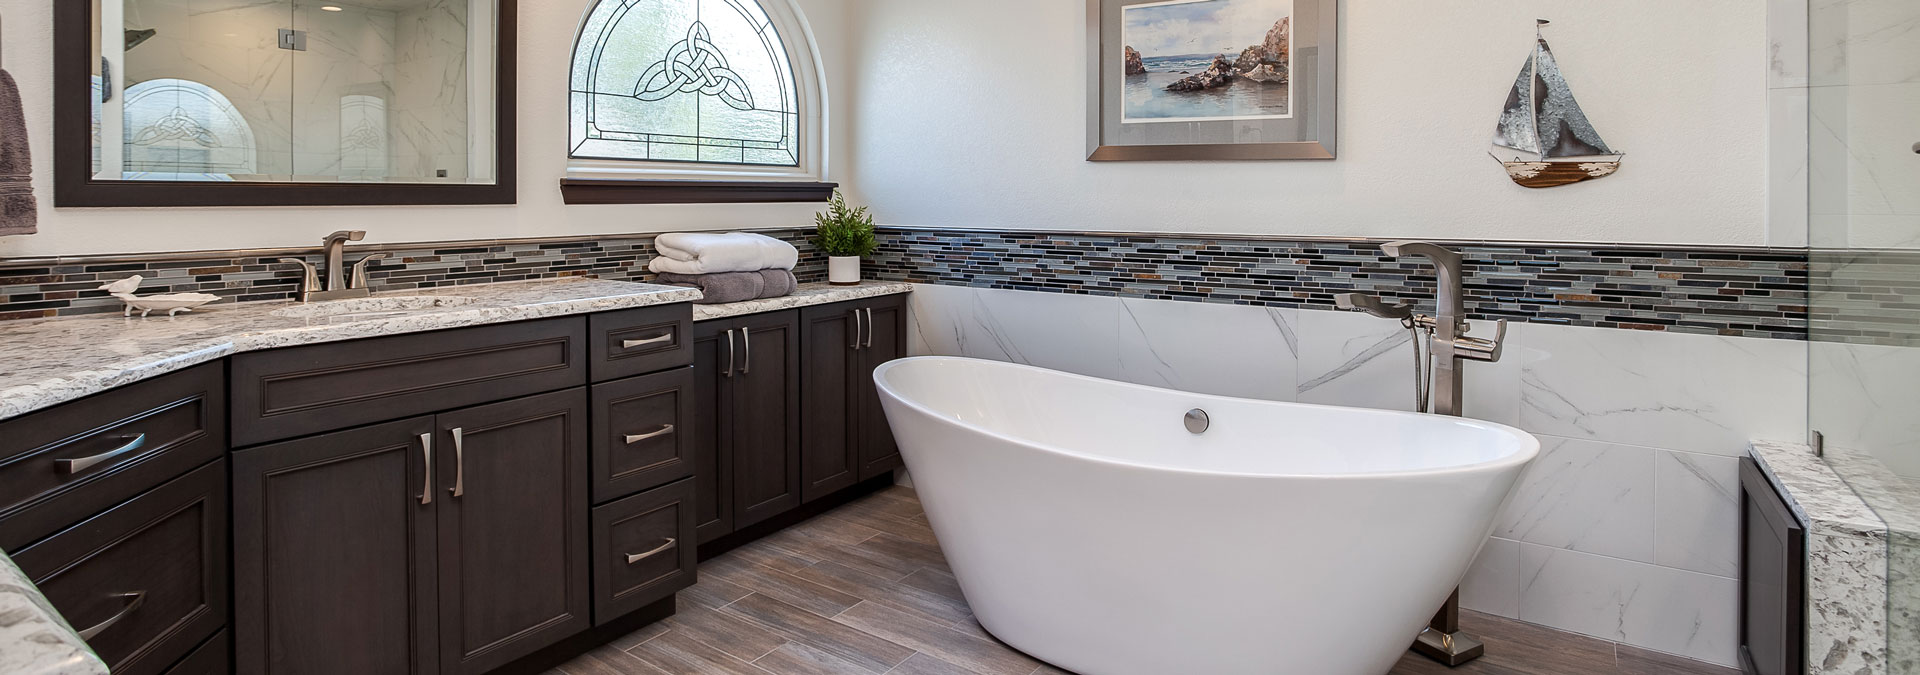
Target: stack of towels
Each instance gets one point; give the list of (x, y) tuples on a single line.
[(732, 267)]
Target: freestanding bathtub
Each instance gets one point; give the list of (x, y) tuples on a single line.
[(1089, 528)]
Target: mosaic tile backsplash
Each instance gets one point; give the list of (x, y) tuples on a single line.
[(1736, 292), (1740, 292), (45, 291)]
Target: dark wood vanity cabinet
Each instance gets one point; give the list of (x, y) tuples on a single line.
[(844, 437), (1773, 588), (746, 422), (469, 534)]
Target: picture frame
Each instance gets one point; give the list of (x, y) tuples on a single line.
[(1212, 80)]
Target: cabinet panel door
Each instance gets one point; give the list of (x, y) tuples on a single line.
[(829, 421), (765, 417), (706, 434), (305, 603), (886, 341), (512, 528)]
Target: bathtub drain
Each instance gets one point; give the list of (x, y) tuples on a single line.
[(1198, 422)]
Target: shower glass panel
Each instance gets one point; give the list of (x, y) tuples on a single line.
[(1864, 220), (395, 91)]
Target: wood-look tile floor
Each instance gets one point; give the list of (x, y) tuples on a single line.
[(864, 589)]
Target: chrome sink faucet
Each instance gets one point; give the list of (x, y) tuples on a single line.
[(339, 285), (1443, 640)]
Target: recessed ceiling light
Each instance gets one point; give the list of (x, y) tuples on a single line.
[(331, 8)]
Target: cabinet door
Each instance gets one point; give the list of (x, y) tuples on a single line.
[(305, 601), (886, 341), (714, 359), (829, 422), (514, 561), (764, 417)]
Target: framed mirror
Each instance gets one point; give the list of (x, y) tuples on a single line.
[(283, 102)]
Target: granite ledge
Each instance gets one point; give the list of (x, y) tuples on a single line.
[(1823, 501), (47, 362), (34, 639), (807, 296)]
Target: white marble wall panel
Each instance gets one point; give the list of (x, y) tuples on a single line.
[(1586, 496), (1492, 585), (1863, 42), (1692, 393), (1864, 398), (1696, 499), (1674, 611), (1248, 352), (1787, 122)]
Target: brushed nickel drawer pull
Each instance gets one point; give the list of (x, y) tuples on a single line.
[(746, 345), (869, 328), (68, 467), (134, 600), (459, 463), (426, 455), (856, 329), (630, 344), (636, 438), (637, 557), (729, 372)]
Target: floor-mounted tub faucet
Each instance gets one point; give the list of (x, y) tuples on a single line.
[(1443, 640)]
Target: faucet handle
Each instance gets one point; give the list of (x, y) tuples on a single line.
[(1481, 349), (359, 279), (309, 280)]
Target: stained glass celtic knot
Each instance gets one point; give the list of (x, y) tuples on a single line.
[(683, 81)]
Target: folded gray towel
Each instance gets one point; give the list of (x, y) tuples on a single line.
[(19, 212), (720, 289)]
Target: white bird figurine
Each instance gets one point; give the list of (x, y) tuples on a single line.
[(172, 303)]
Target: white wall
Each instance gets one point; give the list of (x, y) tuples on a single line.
[(547, 28), (1626, 527), (970, 114)]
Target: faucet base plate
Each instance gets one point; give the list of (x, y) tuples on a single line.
[(1452, 649)]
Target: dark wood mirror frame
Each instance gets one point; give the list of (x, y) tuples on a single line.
[(73, 184)]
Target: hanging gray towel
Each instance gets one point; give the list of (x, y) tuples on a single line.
[(19, 212)]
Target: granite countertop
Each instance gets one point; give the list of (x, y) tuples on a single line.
[(34, 640), (809, 294), (46, 362), (1825, 503)]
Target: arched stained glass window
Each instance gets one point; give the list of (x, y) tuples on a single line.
[(181, 127), (707, 81)]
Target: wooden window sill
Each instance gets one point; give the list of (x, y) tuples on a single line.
[(612, 191)]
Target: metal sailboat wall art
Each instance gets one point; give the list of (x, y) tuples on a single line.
[(1544, 122)]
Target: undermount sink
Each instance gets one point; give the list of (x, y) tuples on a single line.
[(370, 306)]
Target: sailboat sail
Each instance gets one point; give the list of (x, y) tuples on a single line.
[(1541, 115)]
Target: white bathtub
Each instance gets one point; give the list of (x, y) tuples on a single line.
[(1090, 529)]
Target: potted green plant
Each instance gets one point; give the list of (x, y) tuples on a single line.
[(845, 234)]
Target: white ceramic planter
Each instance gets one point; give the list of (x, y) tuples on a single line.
[(843, 270)]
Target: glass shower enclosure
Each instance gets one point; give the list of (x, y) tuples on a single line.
[(1864, 267)]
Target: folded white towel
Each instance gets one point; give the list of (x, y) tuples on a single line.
[(710, 253)]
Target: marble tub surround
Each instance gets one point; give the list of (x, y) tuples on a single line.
[(53, 361), (1637, 485), (1847, 562), (35, 639), (809, 294)]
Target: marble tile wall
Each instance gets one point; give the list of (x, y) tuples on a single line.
[(1864, 87), (1625, 528)]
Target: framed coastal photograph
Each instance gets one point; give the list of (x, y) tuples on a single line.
[(1211, 79)]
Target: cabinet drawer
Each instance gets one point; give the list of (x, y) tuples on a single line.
[(643, 550), (61, 465), (640, 341), (639, 433), (305, 390), (145, 582), (212, 658)]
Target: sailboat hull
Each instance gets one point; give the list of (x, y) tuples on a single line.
[(1556, 173)]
